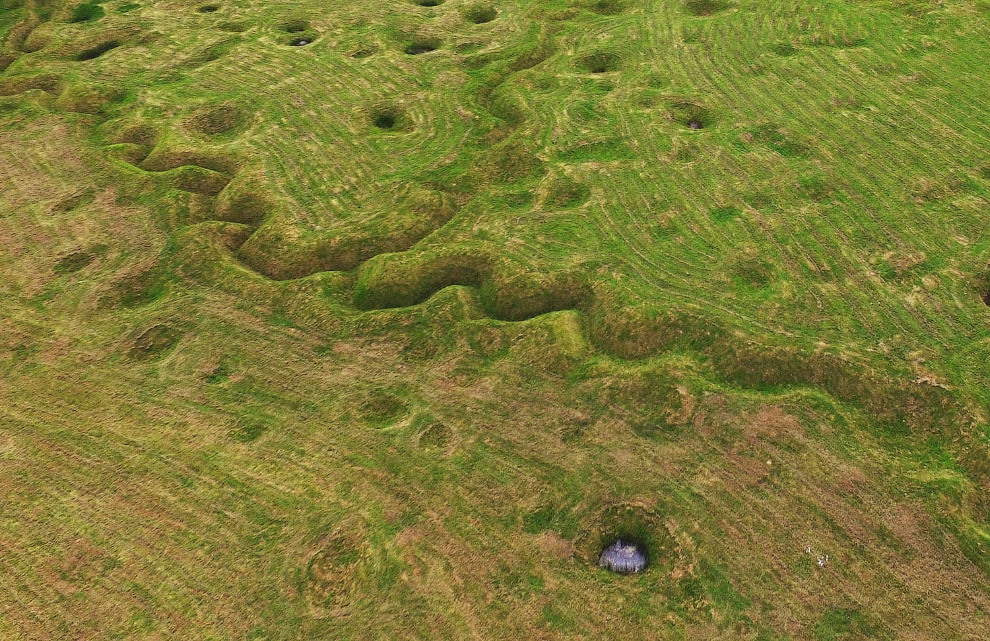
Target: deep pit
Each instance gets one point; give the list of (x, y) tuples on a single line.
[(691, 115), (97, 51), (600, 62), (208, 8), (385, 120), (420, 47), (624, 556)]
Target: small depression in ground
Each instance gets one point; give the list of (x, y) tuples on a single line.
[(295, 26), (600, 62), (299, 42), (86, 12), (691, 115), (385, 121), (154, 341), (607, 7), (420, 47), (480, 14), (97, 51), (705, 7), (74, 262), (624, 557)]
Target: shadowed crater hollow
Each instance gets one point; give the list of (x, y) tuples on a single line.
[(626, 538), (95, 52), (691, 115), (388, 118), (295, 26), (86, 12), (480, 14), (600, 62), (385, 121), (363, 52), (421, 46)]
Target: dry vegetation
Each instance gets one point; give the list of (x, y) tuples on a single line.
[(377, 320)]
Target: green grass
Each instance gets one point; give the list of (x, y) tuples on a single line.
[(385, 336), (87, 12)]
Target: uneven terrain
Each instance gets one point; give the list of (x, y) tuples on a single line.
[(377, 320)]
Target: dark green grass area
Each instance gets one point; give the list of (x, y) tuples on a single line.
[(380, 320), (87, 12)]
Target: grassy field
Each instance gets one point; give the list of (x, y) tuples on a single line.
[(377, 320)]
